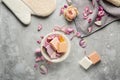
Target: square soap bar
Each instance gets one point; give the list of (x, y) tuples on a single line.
[(62, 47), (94, 57), (85, 63), (54, 43)]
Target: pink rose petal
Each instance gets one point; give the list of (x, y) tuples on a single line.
[(98, 19), (70, 30), (89, 20), (101, 13), (82, 43), (41, 37), (39, 27), (85, 17), (65, 6), (90, 29), (78, 34), (38, 41), (42, 58), (36, 66), (85, 14), (37, 50), (57, 28), (61, 11), (90, 12), (38, 59), (100, 8), (87, 9)]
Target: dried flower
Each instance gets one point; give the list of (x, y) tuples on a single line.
[(70, 13)]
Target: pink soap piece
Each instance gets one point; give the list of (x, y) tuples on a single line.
[(46, 44), (51, 52)]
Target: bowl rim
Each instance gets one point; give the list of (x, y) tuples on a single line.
[(58, 59)]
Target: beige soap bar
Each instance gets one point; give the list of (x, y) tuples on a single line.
[(115, 2), (54, 43), (62, 47), (94, 57)]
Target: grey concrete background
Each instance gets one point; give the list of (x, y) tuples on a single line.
[(18, 43)]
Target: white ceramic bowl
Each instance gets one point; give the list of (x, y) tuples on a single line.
[(63, 57)]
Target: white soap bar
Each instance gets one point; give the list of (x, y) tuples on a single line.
[(85, 63)]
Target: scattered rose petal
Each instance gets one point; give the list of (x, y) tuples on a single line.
[(65, 6), (90, 12), (90, 29), (101, 13), (42, 58), (87, 9), (85, 14), (100, 8), (41, 37), (85, 17), (82, 43), (38, 41), (61, 11), (70, 30), (57, 28), (36, 66), (78, 34), (89, 20), (64, 29), (39, 27), (38, 59), (43, 69), (37, 50)]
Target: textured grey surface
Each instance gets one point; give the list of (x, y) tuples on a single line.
[(18, 42)]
